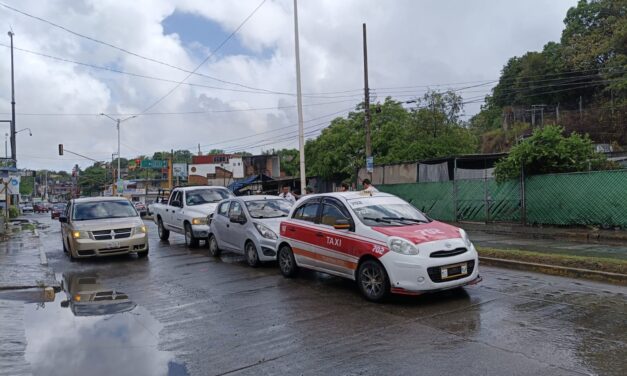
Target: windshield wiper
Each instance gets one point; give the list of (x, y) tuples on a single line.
[(382, 219), (406, 219)]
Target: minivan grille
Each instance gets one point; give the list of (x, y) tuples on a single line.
[(118, 233)]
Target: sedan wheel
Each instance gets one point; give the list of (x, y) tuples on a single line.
[(252, 258), (214, 250), (287, 263), (373, 281)]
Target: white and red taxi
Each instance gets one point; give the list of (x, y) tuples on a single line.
[(377, 239)]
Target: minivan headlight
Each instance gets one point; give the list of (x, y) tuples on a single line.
[(141, 229), (402, 246), (80, 235), (265, 231)]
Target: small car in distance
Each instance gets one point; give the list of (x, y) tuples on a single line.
[(102, 226), (141, 208), (379, 240), (248, 225), (57, 210), (27, 208), (40, 208)]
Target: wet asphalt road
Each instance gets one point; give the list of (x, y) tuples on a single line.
[(188, 313)]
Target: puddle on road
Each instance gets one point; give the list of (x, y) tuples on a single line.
[(93, 330)]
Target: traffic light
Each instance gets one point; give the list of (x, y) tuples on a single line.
[(60, 149)]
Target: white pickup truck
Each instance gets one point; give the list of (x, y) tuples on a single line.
[(186, 212)]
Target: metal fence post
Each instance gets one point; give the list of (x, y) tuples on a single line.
[(523, 201), (455, 190)]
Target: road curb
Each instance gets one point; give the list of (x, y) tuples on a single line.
[(43, 259), (616, 278)]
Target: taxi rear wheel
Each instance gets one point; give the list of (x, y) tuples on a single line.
[(287, 263), (373, 281)]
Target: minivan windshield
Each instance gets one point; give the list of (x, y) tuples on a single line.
[(103, 209), (273, 208), (205, 196), (386, 211)]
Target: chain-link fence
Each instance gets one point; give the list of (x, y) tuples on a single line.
[(592, 198)]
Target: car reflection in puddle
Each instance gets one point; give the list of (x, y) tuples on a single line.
[(93, 330)]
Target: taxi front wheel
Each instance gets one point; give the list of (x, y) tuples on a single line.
[(287, 263), (373, 281)]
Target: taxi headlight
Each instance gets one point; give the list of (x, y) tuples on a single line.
[(265, 231), (402, 246), (199, 221), (465, 238)]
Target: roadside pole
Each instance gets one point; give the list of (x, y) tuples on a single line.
[(170, 170), (13, 146), (367, 105), (299, 101)]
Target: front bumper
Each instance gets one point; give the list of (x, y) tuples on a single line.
[(83, 248), (200, 231), (415, 274), (266, 249)]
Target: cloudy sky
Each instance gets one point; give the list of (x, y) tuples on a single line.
[(243, 96)]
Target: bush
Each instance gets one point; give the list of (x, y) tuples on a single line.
[(548, 151), (14, 212)]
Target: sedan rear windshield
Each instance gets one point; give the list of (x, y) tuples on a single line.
[(268, 208), (205, 196), (102, 210), (386, 211)]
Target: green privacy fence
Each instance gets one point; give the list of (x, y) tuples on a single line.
[(592, 198)]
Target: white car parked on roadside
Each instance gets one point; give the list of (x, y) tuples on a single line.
[(248, 225)]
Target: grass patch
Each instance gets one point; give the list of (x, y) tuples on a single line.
[(580, 262)]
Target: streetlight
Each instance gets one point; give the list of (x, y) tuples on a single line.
[(118, 121), (30, 133)]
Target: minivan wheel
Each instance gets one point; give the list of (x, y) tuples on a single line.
[(252, 257), (214, 250), (64, 246), (287, 263), (373, 281), (163, 233), (190, 240)]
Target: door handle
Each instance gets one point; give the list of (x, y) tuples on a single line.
[(166, 209), (319, 234), (227, 225)]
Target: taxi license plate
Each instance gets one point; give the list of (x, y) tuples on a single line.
[(453, 271), (113, 245)]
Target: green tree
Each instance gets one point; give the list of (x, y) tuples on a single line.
[(93, 179), (549, 151)]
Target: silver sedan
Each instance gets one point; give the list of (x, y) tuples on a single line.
[(248, 225)]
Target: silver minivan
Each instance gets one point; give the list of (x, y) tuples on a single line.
[(248, 225)]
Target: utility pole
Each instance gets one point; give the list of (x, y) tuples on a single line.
[(299, 101), (170, 170), (118, 121), (367, 106), (13, 150)]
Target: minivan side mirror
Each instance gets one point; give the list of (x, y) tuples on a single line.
[(342, 224), (63, 219)]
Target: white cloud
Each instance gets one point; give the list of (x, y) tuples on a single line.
[(409, 43)]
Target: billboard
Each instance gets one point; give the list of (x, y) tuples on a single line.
[(179, 170)]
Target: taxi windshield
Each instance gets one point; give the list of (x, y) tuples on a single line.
[(386, 211), (268, 208)]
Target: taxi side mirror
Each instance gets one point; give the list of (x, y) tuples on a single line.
[(342, 224)]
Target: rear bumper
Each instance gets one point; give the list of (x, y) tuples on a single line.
[(84, 248)]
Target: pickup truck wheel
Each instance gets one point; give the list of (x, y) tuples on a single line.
[(163, 233), (214, 250), (190, 240), (252, 257)]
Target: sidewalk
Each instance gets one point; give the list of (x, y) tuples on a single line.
[(572, 234), (23, 261), (575, 257)]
